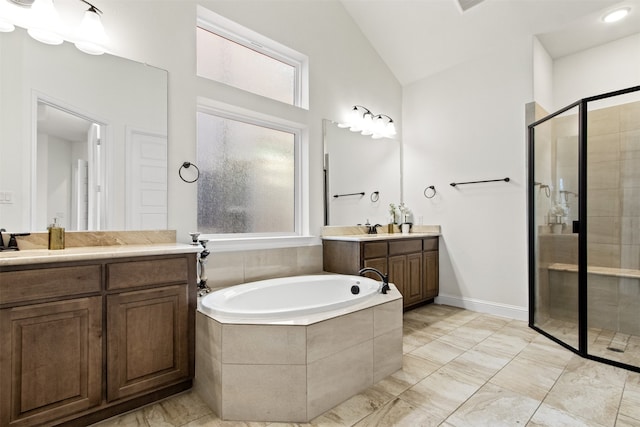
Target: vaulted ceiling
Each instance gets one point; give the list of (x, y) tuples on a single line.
[(418, 38)]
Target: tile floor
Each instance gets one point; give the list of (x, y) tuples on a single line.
[(461, 368)]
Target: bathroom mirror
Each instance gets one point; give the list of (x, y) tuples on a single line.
[(362, 176), (82, 138)]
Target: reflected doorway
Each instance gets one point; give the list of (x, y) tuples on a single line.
[(69, 173)]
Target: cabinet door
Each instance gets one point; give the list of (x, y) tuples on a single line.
[(379, 264), (147, 342), (430, 269), (397, 267), (414, 285), (50, 360)]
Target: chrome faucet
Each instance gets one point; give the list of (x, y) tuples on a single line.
[(383, 277), (203, 289)]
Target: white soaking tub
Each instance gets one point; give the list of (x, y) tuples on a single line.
[(287, 350)]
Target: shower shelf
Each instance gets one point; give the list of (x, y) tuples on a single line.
[(600, 271)]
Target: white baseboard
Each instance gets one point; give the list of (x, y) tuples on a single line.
[(503, 310)]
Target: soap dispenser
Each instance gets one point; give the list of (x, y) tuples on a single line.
[(56, 235)]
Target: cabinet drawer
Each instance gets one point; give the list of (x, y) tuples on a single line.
[(35, 284), (405, 246), (123, 275), (431, 244), (375, 249)]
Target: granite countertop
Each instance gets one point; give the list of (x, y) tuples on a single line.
[(39, 256)]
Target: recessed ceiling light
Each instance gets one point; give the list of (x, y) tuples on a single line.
[(616, 15)]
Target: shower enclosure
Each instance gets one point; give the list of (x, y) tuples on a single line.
[(584, 227)]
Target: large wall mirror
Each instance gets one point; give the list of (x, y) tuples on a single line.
[(83, 139), (362, 176)]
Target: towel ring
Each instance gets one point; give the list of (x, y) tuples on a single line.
[(430, 192), (375, 196), (187, 165)]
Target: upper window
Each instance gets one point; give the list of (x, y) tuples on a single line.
[(239, 57)]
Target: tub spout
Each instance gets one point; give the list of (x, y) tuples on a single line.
[(383, 277)]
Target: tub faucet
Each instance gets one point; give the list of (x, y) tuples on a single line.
[(383, 277), (203, 289)]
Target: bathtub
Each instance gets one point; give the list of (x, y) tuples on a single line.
[(289, 297), (288, 350)]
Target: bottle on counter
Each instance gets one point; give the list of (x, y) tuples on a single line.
[(56, 235)]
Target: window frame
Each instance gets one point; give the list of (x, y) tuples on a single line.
[(223, 27), (300, 237)]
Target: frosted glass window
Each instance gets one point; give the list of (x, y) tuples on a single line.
[(247, 177), (238, 65)]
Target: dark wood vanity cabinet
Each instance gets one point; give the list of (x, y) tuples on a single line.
[(411, 263), (83, 341)]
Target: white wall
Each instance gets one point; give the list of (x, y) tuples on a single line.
[(542, 76), (164, 35), (609, 67), (466, 124)]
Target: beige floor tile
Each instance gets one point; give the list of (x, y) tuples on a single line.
[(494, 406), (132, 419), (527, 378), (414, 369), (214, 421), (356, 408), (177, 411), (399, 413), (630, 404), (546, 352), (479, 364), (625, 421), (438, 351), (589, 398), (442, 392), (548, 416)]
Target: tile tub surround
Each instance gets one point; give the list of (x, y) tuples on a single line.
[(293, 373)]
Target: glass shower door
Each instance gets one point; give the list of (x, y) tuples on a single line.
[(554, 210)]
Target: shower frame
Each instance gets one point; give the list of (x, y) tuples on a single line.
[(582, 348)]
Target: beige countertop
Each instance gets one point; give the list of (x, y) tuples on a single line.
[(40, 256), (380, 236), (359, 233)]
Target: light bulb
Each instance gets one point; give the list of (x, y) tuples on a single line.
[(45, 25), (367, 123), (91, 36)]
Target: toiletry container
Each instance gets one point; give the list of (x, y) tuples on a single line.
[(56, 235)]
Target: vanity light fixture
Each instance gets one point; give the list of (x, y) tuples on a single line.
[(91, 35), (362, 120), (616, 15), (42, 22)]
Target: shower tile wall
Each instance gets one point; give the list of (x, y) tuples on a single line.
[(233, 268), (614, 186)]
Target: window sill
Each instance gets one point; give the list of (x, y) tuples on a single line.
[(232, 244)]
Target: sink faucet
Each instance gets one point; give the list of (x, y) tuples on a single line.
[(12, 245), (372, 229), (384, 278)]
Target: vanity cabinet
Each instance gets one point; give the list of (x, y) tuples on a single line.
[(411, 263), (83, 341)]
